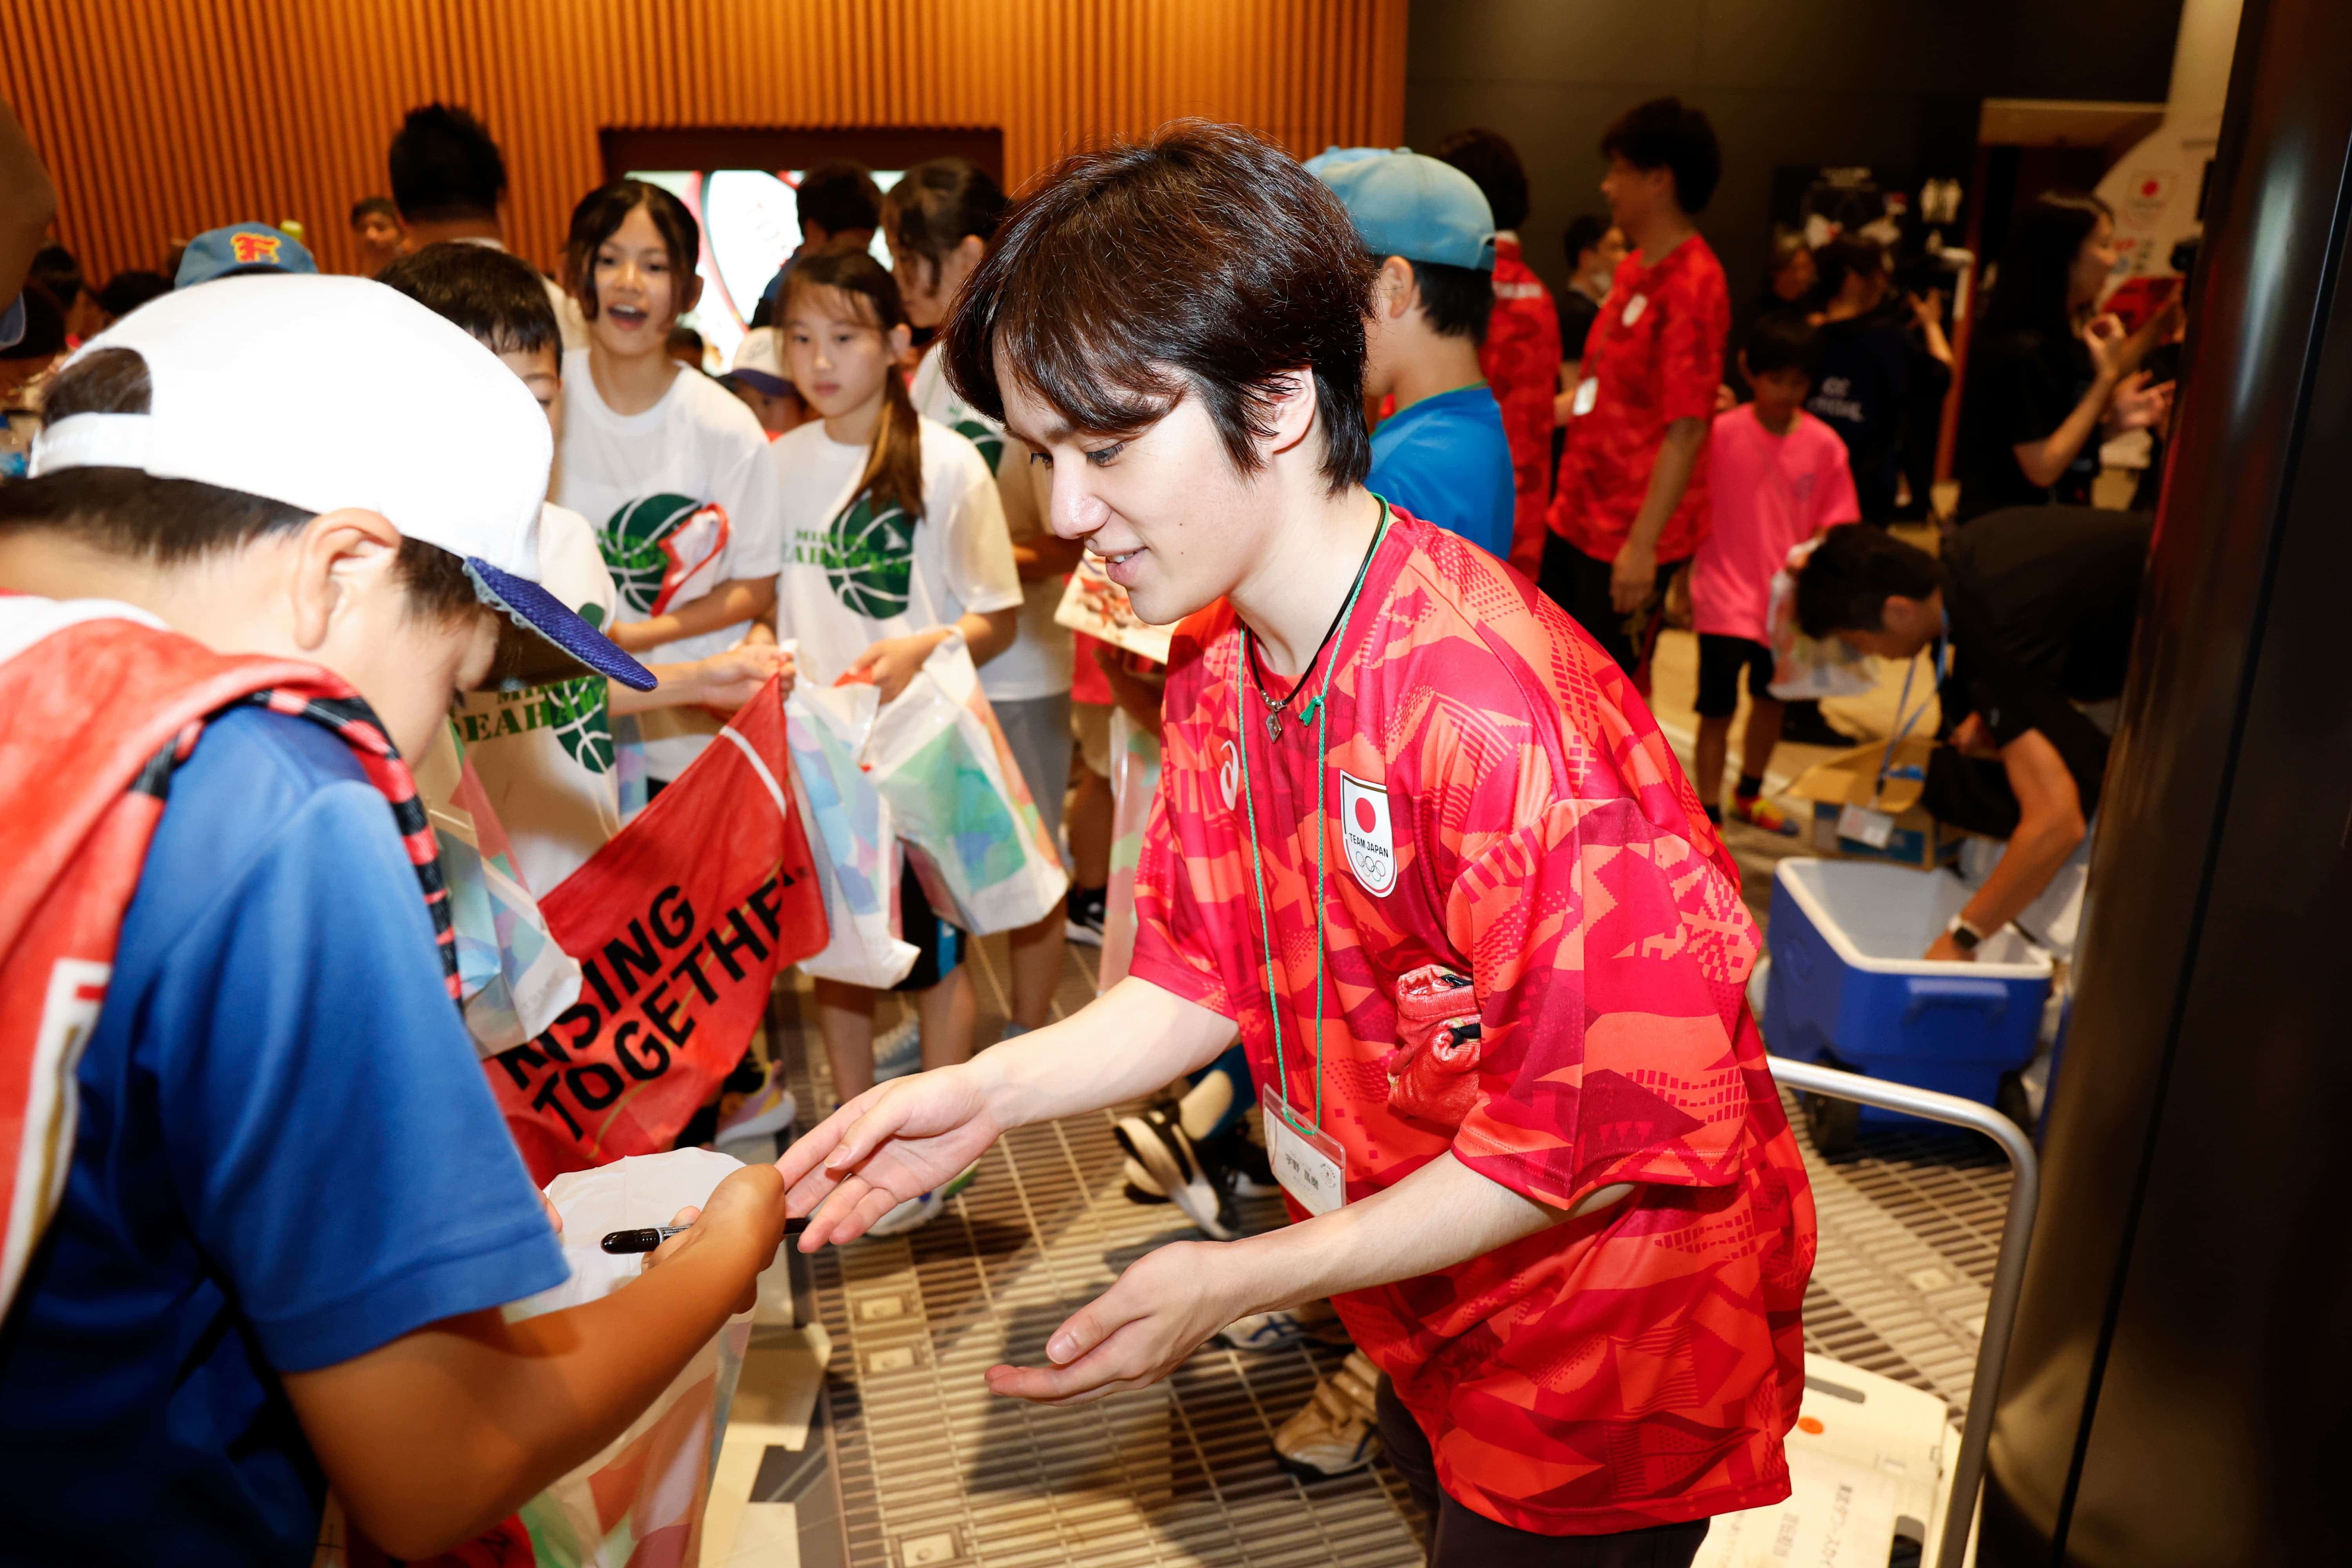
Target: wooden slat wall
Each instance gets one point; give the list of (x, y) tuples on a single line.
[(161, 118)]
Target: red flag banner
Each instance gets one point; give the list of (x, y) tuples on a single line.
[(681, 924)]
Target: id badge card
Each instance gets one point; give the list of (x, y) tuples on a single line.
[(1311, 1166)]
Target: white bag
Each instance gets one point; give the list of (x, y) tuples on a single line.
[(960, 803), (642, 1498), (1134, 781), (854, 847), (1802, 667)]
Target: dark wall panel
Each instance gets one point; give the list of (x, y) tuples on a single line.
[(1793, 81), (2176, 1394)]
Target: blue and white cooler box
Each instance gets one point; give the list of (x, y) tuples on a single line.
[(1846, 983)]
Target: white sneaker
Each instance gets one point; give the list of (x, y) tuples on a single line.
[(1263, 1332), (754, 1133), (1278, 1330), (898, 1052), (912, 1215), (1156, 1141), (762, 1115), (918, 1212)]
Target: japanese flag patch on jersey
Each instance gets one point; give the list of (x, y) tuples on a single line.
[(1364, 829)]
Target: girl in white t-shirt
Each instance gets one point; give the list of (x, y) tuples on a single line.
[(937, 220), (670, 468), (894, 538)]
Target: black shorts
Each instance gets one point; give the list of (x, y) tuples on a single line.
[(1720, 658), (1461, 1537), (1579, 584), (939, 946)]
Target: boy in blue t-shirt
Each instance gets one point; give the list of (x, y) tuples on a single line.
[(286, 1210), (1442, 455)]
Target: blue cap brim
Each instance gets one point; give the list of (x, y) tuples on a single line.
[(528, 604), (762, 382)]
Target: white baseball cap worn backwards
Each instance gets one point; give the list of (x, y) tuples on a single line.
[(325, 393)]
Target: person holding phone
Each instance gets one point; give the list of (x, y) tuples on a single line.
[(2046, 376)]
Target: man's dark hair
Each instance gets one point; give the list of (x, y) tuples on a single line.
[(123, 512), (1782, 339), (126, 291), (445, 167), (840, 197), (599, 216), (1492, 165), (1458, 300), (1584, 232), (1204, 262), (55, 269), (1845, 583), (1847, 256), (499, 299), (1666, 133), (367, 204)]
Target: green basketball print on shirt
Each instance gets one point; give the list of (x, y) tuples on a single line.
[(871, 558), (631, 546), (581, 708), (990, 442)]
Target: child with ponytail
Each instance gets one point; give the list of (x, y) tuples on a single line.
[(894, 538), (669, 467), (937, 220)]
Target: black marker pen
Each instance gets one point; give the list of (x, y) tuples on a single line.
[(652, 1235)]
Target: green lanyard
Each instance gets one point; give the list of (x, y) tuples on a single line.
[(1257, 862)]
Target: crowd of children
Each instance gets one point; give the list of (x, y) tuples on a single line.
[(897, 459)]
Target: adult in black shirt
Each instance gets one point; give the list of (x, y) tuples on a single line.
[(1871, 370), (2038, 605), (1594, 249), (2047, 380)]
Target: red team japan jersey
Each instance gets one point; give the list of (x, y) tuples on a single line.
[(1654, 355), (1520, 360), (1533, 833)]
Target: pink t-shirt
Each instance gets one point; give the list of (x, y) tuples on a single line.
[(1771, 493)]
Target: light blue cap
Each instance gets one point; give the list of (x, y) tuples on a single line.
[(1406, 204), (241, 247)]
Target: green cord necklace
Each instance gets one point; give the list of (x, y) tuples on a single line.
[(1249, 812)]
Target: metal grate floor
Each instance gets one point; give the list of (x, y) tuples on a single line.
[(933, 1470)]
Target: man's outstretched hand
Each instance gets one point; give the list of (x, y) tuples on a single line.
[(897, 1141), (1162, 1309)]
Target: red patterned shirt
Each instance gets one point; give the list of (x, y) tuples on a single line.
[(1655, 353), (1520, 360), (1633, 1367)]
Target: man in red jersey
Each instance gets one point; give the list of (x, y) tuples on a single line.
[(1520, 357), (1631, 506), (1418, 843)]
